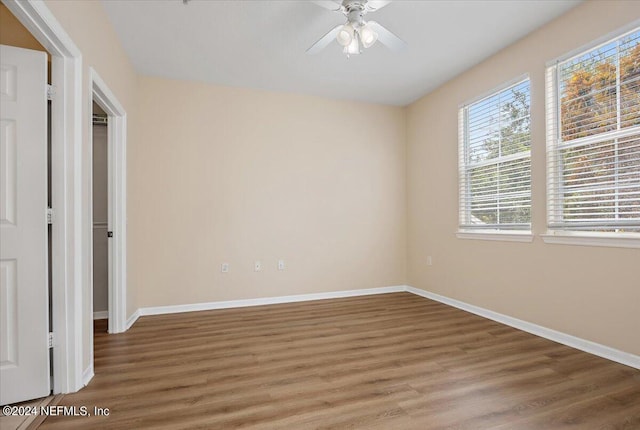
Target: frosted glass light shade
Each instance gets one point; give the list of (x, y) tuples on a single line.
[(367, 36), (353, 48), (345, 35)]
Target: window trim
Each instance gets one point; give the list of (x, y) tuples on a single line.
[(559, 235), (496, 235), (511, 235), (612, 240)]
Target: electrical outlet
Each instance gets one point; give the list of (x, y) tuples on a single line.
[(280, 264), (429, 261), (258, 266), (224, 268)]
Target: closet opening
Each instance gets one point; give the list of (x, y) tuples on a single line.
[(101, 232)]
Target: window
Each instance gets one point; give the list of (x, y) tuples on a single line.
[(593, 119), (495, 161)]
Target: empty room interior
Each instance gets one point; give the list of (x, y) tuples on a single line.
[(356, 214)]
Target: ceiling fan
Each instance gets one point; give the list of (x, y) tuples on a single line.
[(356, 33)]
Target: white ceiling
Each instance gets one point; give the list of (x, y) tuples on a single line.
[(261, 44)]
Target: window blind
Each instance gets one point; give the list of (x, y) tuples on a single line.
[(495, 161), (593, 123)]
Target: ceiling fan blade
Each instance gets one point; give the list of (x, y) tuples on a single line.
[(376, 4), (324, 40), (387, 38), (329, 4)]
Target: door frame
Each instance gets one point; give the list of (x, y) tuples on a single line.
[(69, 258), (117, 201)]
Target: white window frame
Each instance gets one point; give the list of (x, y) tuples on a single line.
[(552, 97), (509, 235)]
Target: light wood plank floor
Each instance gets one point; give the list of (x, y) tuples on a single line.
[(392, 361), (27, 422)]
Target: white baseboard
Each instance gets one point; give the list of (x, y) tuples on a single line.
[(556, 336), (87, 375), (158, 310), (101, 315), (132, 319)]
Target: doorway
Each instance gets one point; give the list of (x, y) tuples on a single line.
[(71, 238), (100, 215), (108, 204), (64, 311)]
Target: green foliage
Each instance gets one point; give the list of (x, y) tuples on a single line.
[(601, 181)]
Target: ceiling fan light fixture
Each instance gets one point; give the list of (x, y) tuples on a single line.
[(367, 36), (356, 34), (345, 35), (353, 48)]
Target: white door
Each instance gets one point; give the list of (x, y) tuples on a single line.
[(24, 303)]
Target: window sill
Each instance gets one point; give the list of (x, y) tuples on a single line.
[(511, 236), (594, 239)]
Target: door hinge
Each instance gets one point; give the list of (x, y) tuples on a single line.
[(49, 215), (50, 339), (51, 92)]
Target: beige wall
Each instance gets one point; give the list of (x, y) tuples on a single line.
[(13, 33), (87, 24), (236, 175), (589, 292)]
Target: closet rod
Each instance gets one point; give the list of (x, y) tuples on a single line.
[(100, 119)]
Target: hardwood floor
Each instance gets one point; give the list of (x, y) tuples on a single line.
[(27, 422), (392, 361)]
